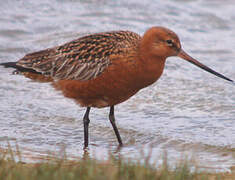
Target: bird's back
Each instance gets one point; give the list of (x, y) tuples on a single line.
[(81, 59)]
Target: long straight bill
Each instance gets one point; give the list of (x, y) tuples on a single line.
[(188, 58)]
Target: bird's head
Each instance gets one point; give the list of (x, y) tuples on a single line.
[(159, 43)]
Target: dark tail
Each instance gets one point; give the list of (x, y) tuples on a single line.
[(9, 65), (18, 68)]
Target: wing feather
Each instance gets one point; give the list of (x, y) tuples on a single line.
[(81, 59)]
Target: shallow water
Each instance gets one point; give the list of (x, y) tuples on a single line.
[(188, 112)]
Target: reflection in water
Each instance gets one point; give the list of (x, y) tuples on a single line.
[(186, 112)]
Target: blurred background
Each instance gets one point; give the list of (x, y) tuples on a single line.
[(188, 112)]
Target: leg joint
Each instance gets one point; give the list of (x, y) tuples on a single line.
[(86, 121), (111, 118)]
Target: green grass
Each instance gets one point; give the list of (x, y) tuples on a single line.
[(114, 168)]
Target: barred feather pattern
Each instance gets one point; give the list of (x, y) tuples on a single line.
[(81, 59)]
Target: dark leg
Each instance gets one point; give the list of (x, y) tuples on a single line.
[(86, 122), (112, 120)]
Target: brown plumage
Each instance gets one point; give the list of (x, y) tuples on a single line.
[(105, 69), (81, 59)]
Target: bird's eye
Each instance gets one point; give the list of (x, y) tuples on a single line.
[(169, 42)]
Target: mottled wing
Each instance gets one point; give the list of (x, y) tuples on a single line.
[(81, 59), (40, 61)]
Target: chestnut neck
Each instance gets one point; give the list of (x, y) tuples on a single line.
[(151, 68)]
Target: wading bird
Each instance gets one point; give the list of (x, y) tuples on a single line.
[(105, 69)]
